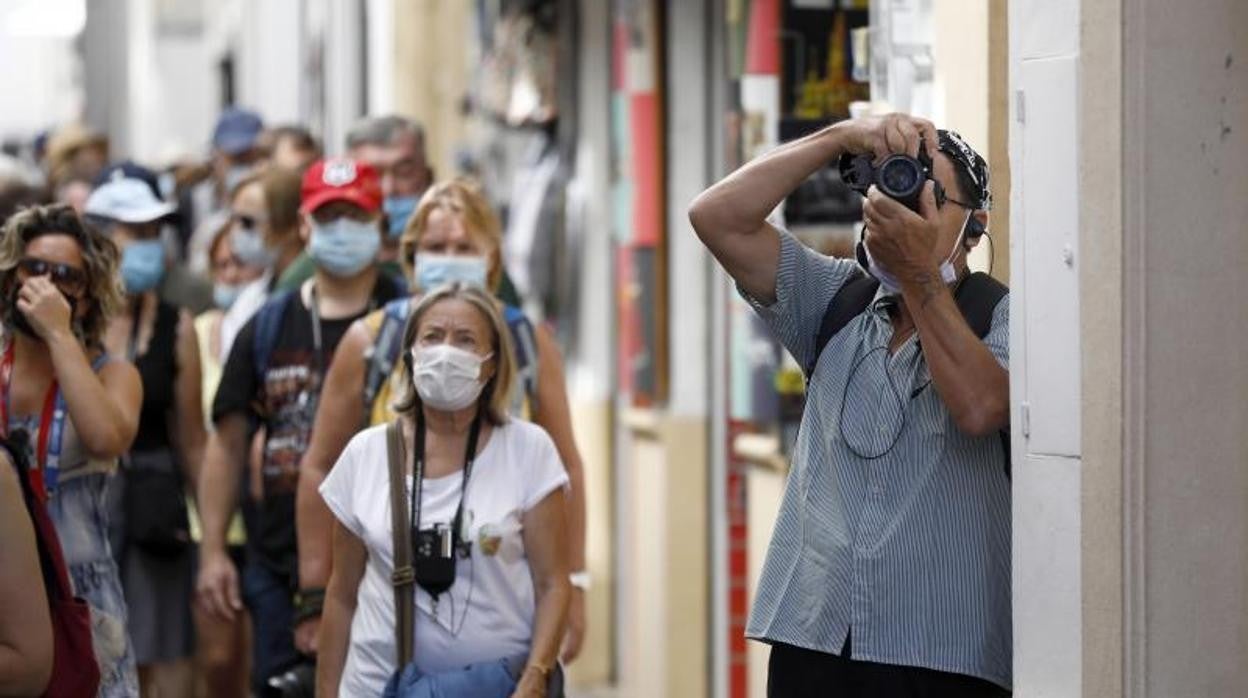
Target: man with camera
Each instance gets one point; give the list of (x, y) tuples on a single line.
[(889, 567)]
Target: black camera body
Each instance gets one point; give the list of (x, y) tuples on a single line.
[(434, 558), (898, 176)]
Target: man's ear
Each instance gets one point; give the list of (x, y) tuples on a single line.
[(976, 228)]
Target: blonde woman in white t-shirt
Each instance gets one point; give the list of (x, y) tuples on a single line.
[(506, 604)]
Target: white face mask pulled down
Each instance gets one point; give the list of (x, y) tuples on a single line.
[(446, 377), (890, 283)]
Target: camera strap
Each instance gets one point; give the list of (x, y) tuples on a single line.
[(418, 476)]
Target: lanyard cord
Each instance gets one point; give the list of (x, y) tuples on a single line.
[(418, 473)]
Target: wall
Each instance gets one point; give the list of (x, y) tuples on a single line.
[(1045, 347), (1185, 254)]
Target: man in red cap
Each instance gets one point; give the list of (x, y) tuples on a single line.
[(272, 379)]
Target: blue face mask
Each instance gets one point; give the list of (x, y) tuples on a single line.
[(142, 265), (248, 245), (398, 210), (344, 247), (224, 295), (434, 270)]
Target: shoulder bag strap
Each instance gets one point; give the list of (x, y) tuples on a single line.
[(404, 574)]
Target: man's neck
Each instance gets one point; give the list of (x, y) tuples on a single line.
[(342, 297)]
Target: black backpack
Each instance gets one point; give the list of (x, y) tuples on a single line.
[(977, 296)]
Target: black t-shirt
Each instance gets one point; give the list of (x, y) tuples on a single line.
[(284, 403)]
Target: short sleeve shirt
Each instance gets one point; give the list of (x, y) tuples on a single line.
[(488, 613)]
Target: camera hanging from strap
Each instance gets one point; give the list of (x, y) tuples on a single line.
[(436, 549)]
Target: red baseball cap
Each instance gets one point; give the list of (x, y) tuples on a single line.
[(340, 179)]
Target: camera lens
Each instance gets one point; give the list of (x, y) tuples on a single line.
[(900, 176)]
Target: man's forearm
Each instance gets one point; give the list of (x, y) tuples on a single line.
[(218, 484), (974, 387), (314, 530), (741, 202)]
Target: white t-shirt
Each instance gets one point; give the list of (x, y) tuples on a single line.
[(488, 612)]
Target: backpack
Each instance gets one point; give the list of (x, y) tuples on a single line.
[(268, 321), (977, 296), (269, 318), (384, 354)]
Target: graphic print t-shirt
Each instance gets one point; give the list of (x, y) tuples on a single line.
[(284, 404)]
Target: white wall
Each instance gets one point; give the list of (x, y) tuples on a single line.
[(1044, 347)]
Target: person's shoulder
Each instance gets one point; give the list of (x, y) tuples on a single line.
[(524, 434), (369, 435)]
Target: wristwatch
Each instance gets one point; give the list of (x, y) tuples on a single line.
[(580, 580)]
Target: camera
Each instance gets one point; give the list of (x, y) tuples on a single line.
[(898, 176), (434, 553), (299, 681)]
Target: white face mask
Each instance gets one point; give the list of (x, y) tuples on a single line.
[(447, 377), (892, 286)]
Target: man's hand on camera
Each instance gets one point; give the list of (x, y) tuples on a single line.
[(902, 241), (888, 134)]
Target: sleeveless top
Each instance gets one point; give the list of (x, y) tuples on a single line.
[(158, 370)]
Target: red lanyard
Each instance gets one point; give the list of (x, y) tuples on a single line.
[(51, 419)]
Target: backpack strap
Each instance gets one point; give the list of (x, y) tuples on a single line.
[(524, 340), (384, 353), (977, 296), (850, 300), (404, 575), (268, 323)]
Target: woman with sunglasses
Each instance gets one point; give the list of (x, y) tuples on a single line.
[(78, 404), (152, 541)]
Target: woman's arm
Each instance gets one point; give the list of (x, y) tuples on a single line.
[(350, 556), (25, 624), (103, 407), (554, 415), (547, 552), (338, 417), (192, 435)]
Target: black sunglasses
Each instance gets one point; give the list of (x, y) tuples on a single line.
[(70, 280), (247, 221)]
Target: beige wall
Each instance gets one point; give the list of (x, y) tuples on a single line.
[(971, 63), (1100, 145), (432, 70), (663, 598), (591, 423), (1185, 254)]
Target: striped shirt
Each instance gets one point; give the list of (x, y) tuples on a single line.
[(894, 523)]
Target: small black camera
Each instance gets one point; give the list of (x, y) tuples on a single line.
[(434, 552), (898, 176)]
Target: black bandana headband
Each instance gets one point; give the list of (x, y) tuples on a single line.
[(969, 163)]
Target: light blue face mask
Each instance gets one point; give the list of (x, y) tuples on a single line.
[(398, 210), (224, 295), (434, 270), (248, 245), (142, 265), (344, 247)]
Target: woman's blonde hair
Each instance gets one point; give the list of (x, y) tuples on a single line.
[(496, 397), (463, 198), (100, 257)]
